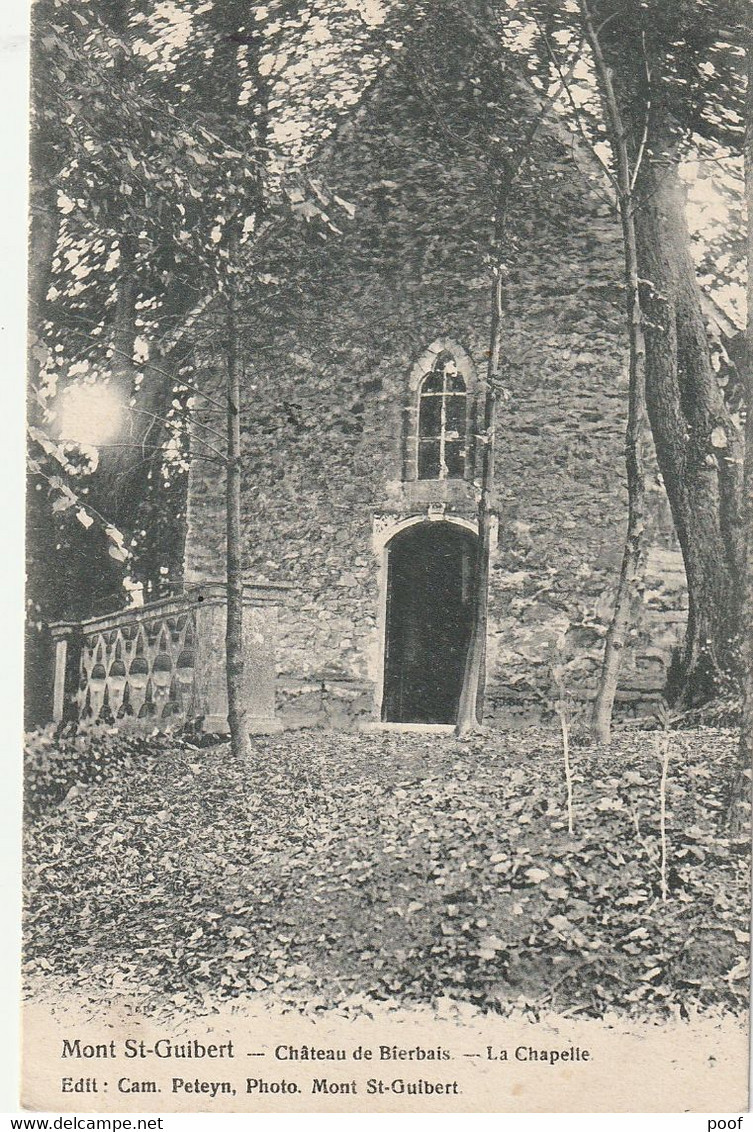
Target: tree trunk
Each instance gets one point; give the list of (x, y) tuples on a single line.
[(120, 482), (122, 370), (698, 446), (44, 170), (239, 741), (44, 226), (473, 691), (471, 706), (631, 571), (111, 490), (740, 790), (121, 479)]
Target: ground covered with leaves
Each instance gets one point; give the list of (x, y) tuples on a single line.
[(389, 866)]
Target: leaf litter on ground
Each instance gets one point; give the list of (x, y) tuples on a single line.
[(396, 866)]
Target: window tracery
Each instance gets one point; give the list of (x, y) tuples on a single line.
[(442, 422)]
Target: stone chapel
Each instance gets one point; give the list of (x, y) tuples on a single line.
[(361, 438)]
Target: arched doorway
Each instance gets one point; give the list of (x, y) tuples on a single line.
[(428, 620)]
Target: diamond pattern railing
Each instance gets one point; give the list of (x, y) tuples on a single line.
[(165, 661)]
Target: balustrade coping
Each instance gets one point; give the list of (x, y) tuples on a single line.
[(195, 594)]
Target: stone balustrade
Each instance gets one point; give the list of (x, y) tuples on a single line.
[(166, 661)]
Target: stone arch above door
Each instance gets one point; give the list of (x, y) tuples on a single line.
[(386, 526)]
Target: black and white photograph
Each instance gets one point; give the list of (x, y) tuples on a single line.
[(389, 557)]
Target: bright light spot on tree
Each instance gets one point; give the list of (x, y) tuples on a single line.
[(90, 414)]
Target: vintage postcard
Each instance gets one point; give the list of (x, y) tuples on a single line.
[(388, 658)]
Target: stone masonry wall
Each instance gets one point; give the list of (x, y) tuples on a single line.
[(328, 363)]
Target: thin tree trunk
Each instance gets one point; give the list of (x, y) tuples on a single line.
[(473, 691), (632, 558), (471, 706), (239, 741)]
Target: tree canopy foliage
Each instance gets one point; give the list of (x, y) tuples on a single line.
[(167, 139)]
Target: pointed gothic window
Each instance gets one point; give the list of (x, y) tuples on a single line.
[(442, 427)]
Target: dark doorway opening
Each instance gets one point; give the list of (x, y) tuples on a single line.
[(428, 623)]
